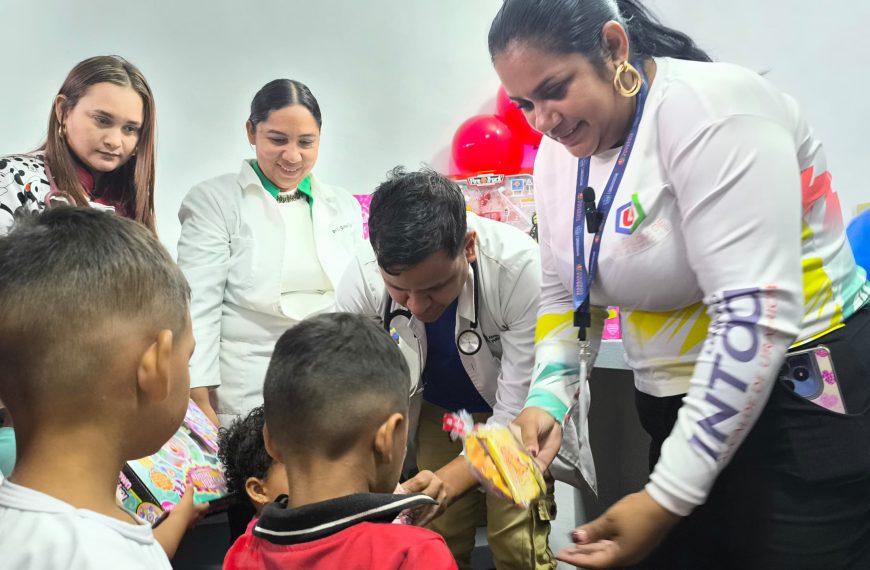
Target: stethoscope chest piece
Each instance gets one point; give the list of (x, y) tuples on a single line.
[(469, 342)]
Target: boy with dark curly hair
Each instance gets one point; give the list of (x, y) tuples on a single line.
[(254, 477)]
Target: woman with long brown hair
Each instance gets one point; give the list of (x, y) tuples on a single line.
[(99, 149)]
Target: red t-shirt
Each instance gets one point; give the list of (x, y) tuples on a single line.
[(364, 546), (353, 532)]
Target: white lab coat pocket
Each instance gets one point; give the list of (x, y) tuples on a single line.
[(243, 264)]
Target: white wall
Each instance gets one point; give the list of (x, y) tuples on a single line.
[(394, 77), (812, 50)]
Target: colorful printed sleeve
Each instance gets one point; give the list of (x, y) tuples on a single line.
[(555, 378), (740, 206)]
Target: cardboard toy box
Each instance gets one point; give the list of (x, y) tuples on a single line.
[(154, 484)]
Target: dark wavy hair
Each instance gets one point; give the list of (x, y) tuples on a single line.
[(574, 26), (242, 451), (414, 215)]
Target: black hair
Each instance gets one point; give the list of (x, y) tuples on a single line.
[(66, 277), (413, 215), (574, 26), (280, 93), (333, 377), (242, 451)]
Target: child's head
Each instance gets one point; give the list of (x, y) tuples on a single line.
[(95, 334), (337, 391), (249, 469)]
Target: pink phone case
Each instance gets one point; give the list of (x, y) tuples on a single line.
[(824, 391)]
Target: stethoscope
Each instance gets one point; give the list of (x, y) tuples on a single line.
[(468, 342)]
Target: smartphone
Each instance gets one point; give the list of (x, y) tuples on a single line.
[(810, 374)]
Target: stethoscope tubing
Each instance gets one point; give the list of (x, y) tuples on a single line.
[(470, 332)]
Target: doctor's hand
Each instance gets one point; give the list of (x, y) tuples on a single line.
[(200, 397), (540, 433), (622, 536)]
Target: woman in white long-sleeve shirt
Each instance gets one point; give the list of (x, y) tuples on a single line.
[(262, 249), (724, 246)]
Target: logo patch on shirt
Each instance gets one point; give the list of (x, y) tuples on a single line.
[(629, 216)]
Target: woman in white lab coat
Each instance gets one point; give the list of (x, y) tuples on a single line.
[(262, 250)]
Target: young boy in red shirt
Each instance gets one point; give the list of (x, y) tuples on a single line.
[(336, 405)]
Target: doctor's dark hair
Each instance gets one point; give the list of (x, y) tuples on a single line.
[(574, 26), (280, 93), (414, 215), (333, 378), (131, 186), (242, 451), (71, 280)]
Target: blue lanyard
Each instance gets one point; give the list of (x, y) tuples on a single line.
[(584, 275)]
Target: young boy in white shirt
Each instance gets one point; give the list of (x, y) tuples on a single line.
[(94, 340)]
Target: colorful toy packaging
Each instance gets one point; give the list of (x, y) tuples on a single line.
[(365, 202), (497, 459), (612, 330), (504, 198), (154, 484)]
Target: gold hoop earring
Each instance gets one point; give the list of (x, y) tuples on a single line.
[(624, 68), (135, 150), (61, 130)]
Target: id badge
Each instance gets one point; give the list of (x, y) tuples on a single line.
[(810, 374)]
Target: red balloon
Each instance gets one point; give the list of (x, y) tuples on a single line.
[(484, 143), (516, 119)]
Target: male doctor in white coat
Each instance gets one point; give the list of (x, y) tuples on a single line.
[(462, 294)]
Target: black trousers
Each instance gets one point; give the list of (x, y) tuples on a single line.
[(796, 494)]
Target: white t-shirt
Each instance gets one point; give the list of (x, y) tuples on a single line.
[(40, 532), (725, 244)]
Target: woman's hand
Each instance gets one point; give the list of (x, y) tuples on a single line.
[(541, 435), (431, 485), (622, 536), (200, 397)]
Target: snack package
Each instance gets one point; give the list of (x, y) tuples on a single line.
[(497, 459), (149, 486)]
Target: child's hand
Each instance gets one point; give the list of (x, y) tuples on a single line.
[(406, 516), (187, 510), (182, 517), (429, 484)]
